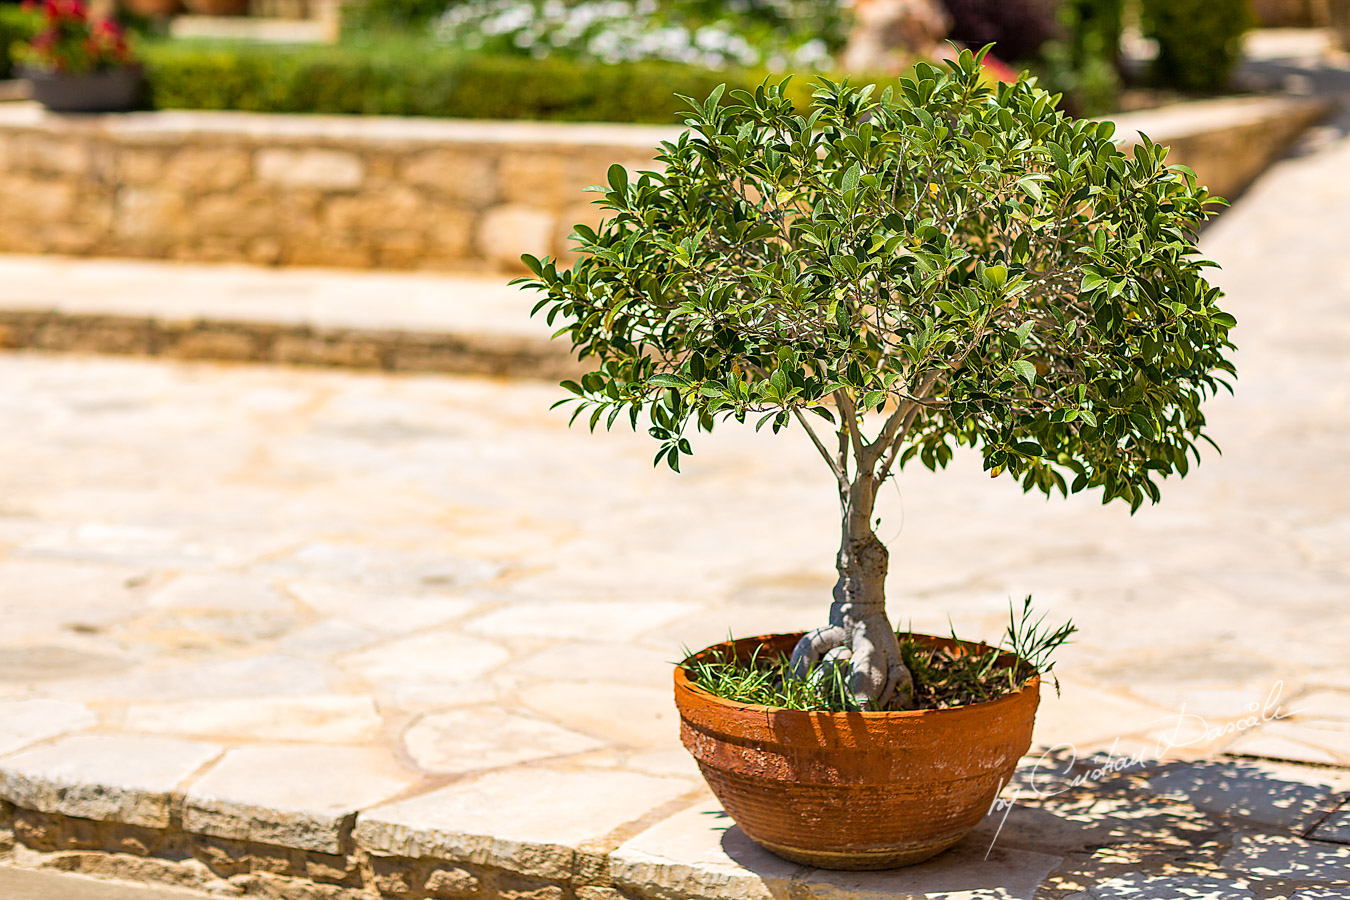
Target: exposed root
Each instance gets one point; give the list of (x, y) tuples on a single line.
[(877, 677)]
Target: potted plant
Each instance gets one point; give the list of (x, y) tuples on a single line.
[(948, 264), (78, 64)]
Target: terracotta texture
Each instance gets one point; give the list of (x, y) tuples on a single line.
[(863, 790)]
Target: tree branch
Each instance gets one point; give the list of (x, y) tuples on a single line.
[(825, 454), (850, 414)]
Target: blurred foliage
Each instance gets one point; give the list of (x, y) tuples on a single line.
[(1199, 41), (391, 15), (1083, 61), (16, 26), (789, 21), (796, 35), (408, 79)]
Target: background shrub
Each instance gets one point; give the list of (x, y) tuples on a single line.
[(1083, 62), (391, 15), (1199, 41), (1016, 28), (798, 35), (16, 25), (406, 80)]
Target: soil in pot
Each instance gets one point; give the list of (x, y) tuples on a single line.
[(854, 790)]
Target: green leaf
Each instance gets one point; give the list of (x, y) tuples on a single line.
[(673, 381), (851, 177), (618, 178), (1025, 369)]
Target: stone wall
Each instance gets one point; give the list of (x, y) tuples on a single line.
[(406, 193), (302, 190), (288, 344), (221, 867)]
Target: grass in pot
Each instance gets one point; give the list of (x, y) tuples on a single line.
[(941, 263)]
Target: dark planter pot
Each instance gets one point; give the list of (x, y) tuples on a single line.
[(864, 790), (112, 90)]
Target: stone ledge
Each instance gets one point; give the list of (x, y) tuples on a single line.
[(1228, 141), (400, 322), (244, 341), (558, 833), (175, 125), (109, 778)]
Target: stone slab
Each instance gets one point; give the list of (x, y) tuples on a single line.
[(261, 675), (971, 870), (1275, 855), (1335, 828), (176, 125), (295, 315), (485, 737), (1321, 706), (1192, 887), (301, 797), (430, 657), (1303, 741), (25, 884), (580, 619), (383, 611), (633, 716), (24, 722), (322, 718), (109, 777), (1248, 790), (218, 590), (530, 820), (700, 852)]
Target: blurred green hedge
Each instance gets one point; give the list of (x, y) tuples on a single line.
[(15, 25), (1199, 41), (408, 80)]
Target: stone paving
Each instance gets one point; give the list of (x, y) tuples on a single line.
[(418, 621)]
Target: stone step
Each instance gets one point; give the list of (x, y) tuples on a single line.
[(463, 324), (24, 884)]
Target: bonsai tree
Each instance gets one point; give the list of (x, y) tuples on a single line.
[(946, 264)]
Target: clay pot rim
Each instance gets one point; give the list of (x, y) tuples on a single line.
[(684, 683)]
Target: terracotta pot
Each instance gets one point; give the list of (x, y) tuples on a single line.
[(864, 790)]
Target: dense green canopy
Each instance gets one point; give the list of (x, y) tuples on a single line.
[(958, 261)]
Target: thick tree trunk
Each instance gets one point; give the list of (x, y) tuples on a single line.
[(859, 635)]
